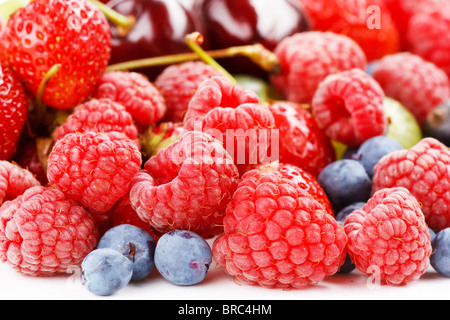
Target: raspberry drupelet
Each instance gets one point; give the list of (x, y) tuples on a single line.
[(14, 180), (278, 235)]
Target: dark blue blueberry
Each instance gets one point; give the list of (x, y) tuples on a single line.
[(440, 259), (105, 271), (437, 123), (345, 182), (371, 67), (135, 244), (432, 234), (183, 257), (372, 150), (351, 153)]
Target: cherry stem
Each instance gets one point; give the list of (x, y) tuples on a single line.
[(40, 108), (194, 40), (263, 57), (124, 23)]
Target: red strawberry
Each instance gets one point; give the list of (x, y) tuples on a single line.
[(13, 111), (73, 33)]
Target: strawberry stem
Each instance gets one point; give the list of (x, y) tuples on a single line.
[(194, 40), (266, 59), (124, 23)]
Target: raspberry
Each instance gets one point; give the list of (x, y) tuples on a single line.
[(389, 236), (136, 93), (428, 34), (424, 171), (307, 182), (186, 186), (419, 85), (14, 180), (178, 84), (231, 113), (277, 235), (94, 168), (308, 57), (44, 233), (98, 115), (356, 20), (348, 106), (304, 144)]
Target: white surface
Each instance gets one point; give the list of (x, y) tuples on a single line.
[(219, 286)]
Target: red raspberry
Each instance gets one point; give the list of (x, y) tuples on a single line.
[(308, 58), (44, 233), (178, 84), (424, 171), (356, 20), (277, 235), (306, 182), (348, 106), (94, 168), (389, 237), (233, 114), (303, 143), (136, 93), (98, 115), (428, 34), (14, 180), (186, 186), (419, 85)]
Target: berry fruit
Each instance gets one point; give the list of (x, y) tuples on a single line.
[(277, 235), (424, 171), (183, 257), (437, 123), (14, 181), (73, 33), (135, 92), (13, 111), (441, 253), (307, 58), (135, 244), (106, 271), (94, 168), (42, 233), (348, 106), (389, 237), (186, 186)]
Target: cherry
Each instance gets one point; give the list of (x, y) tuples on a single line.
[(160, 29), (242, 22)]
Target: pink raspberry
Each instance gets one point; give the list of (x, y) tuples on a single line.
[(307, 58), (99, 115), (277, 235), (178, 84), (186, 186), (428, 34), (348, 106), (136, 93), (231, 113), (42, 233), (425, 171), (94, 168), (419, 85), (14, 180), (389, 238)]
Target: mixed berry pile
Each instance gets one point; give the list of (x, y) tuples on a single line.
[(332, 160)]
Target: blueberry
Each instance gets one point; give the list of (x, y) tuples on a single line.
[(105, 271), (183, 257), (440, 259), (372, 150), (135, 244), (437, 123), (345, 182)]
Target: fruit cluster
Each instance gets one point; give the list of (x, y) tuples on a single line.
[(328, 152)]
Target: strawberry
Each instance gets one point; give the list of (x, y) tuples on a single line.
[(72, 33), (13, 111)]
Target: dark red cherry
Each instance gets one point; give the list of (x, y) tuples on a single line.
[(160, 29), (241, 22)]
